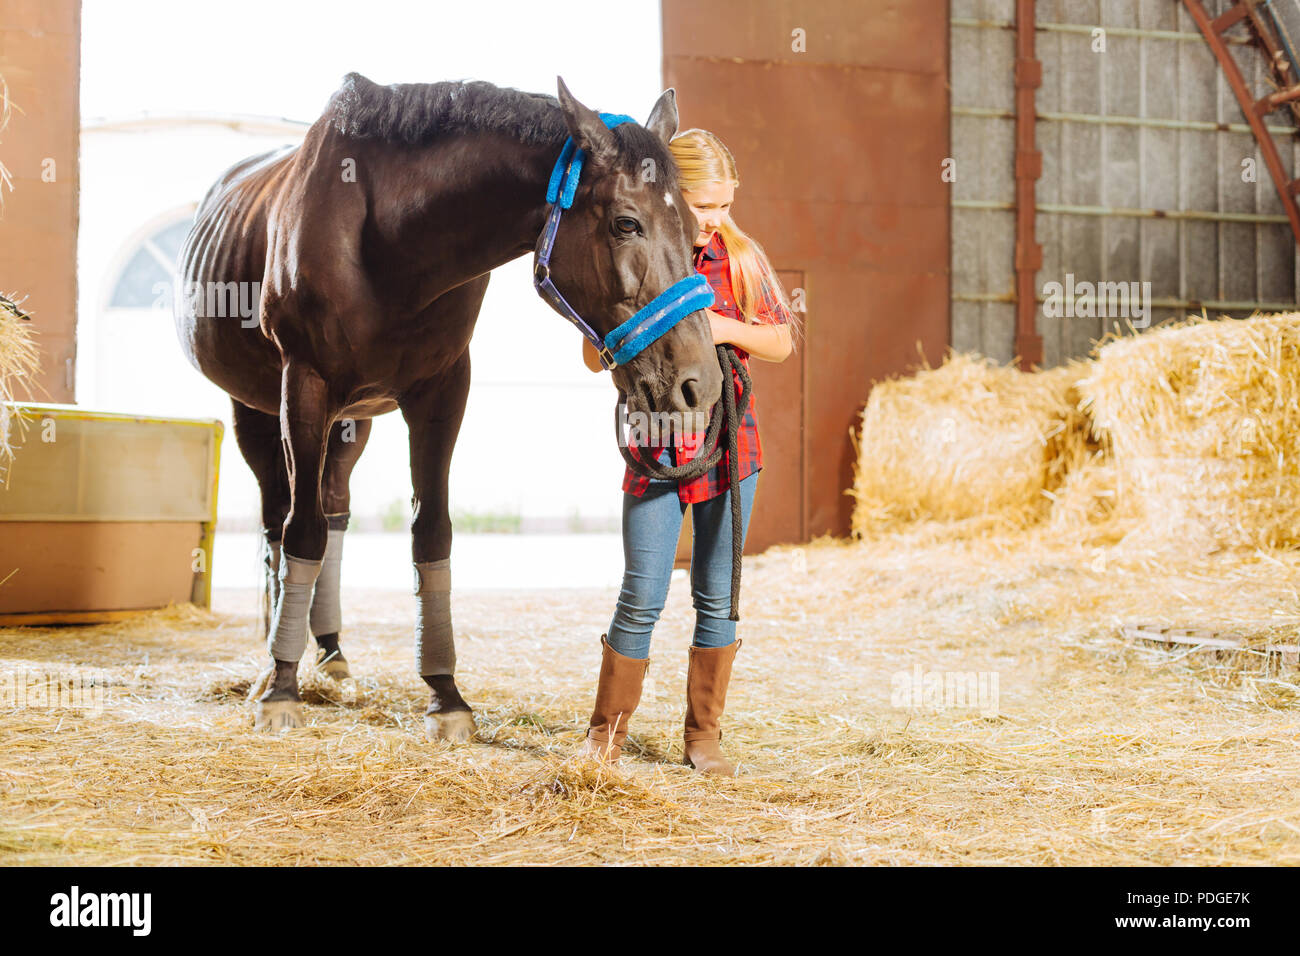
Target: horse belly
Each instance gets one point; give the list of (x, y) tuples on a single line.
[(370, 408)]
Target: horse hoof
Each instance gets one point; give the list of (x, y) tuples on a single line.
[(332, 664), (457, 726), (274, 715), (336, 668)]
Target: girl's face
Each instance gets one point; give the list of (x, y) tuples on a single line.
[(711, 205)]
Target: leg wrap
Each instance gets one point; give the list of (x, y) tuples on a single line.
[(434, 651), (326, 614), (289, 628)]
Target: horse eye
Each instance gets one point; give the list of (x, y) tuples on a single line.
[(626, 226)]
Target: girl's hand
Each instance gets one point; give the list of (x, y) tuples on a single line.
[(589, 356), (722, 327)]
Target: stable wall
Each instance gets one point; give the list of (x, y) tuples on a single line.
[(40, 59)]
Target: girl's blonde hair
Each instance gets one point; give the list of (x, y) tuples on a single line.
[(701, 160)]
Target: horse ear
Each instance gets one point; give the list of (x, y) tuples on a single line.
[(663, 118), (588, 130)]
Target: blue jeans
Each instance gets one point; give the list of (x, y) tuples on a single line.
[(651, 526)]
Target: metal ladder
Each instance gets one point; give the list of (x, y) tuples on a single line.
[(1269, 34)]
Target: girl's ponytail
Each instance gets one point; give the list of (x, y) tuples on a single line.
[(701, 160)]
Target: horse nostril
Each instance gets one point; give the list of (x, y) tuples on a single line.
[(690, 388)]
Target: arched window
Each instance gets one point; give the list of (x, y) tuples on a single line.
[(152, 262)]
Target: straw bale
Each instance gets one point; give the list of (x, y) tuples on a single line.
[(1203, 422), (18, 355), (970, 439), (18, 365)]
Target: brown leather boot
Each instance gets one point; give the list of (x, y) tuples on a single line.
[(617, 696), (707, 676)]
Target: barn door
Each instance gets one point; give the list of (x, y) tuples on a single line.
[(780, 505)]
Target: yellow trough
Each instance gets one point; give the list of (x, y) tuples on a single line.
[(104, 514)]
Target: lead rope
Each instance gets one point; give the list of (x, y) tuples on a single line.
[(701, 465)]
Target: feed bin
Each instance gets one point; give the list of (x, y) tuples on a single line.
[(103, 514)]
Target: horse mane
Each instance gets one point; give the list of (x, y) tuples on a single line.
[(418, 113)]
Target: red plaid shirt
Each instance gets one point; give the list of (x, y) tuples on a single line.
[(712, 262)]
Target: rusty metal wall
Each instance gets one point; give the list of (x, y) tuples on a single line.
[(839, 150), (1142, 175), (40, 58)]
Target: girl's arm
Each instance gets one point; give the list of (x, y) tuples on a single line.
[(771, 343)]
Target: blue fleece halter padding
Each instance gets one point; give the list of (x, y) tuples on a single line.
[(658, 316), (569, 152)]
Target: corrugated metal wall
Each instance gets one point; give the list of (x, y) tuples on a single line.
[(1143, 147)]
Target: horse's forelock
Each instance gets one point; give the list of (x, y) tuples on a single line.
[(636, 145)]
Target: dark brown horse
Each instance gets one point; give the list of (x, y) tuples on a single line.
[(367, 251)]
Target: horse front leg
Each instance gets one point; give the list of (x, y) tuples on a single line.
[(433, 413), (305, 419)]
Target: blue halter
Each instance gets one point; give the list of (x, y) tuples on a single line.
[(652, 320)]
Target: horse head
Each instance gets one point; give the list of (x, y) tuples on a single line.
[(626, 239)]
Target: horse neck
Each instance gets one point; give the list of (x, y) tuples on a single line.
[(485, 206)]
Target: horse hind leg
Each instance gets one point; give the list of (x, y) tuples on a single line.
[(347, 440)]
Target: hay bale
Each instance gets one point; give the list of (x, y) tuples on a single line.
[(1203, 422), (18, 358), (18, 364), (969, 440), (1087, 506)]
